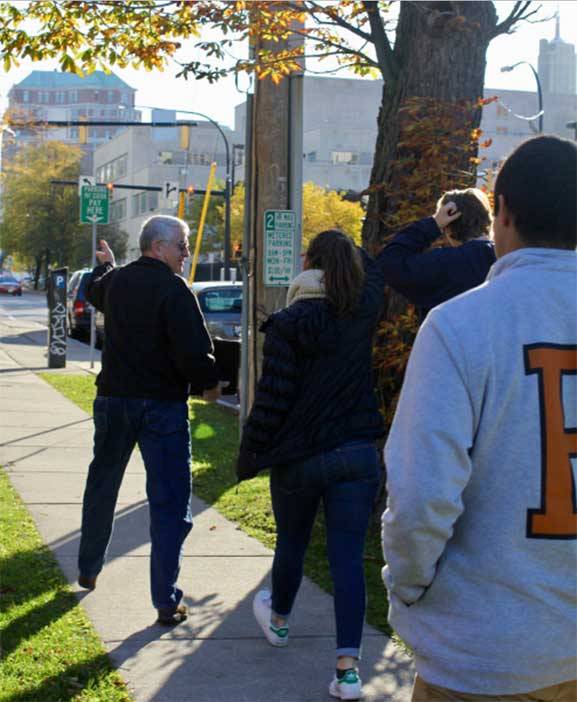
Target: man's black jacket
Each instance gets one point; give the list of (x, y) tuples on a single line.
[(428, 278), (156, 344), (316, 391)]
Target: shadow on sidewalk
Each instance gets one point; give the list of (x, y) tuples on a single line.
[(27, 338), (43, 433)]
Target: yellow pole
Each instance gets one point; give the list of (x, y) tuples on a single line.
[(181, 205), (201, 222)]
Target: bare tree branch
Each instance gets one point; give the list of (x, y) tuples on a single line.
[(519, 13), (385, 55), (337, 20), (340, 47)]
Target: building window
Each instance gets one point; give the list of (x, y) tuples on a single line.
[(152, 200), (344, 157), (73, 96), (60, 97), (25, 96), (121, 166), (114, 169), (118, 210), (312, 156), (139, 203)]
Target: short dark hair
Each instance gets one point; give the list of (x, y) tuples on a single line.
[(538, 182), (336, 255), (475, 209)]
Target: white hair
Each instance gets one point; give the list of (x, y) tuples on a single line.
[(161, 228)]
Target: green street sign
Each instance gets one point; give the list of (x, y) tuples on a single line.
[(279, 234), (94, 204)]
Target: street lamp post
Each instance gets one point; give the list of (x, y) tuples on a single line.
[(507, 69), (227, 189)]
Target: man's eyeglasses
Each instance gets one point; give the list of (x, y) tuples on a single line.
[(182, 245)]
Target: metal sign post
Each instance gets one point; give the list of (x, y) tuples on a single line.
[(279, 244), (94, 209), (57, 286)]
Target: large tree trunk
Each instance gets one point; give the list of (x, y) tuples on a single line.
[(440, 54), (423, 148)]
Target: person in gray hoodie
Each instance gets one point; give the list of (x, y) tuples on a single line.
[(480, 530)]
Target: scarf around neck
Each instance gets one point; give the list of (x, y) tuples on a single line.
[(306, 286)]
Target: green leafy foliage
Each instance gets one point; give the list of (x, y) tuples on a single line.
[(40, 216)]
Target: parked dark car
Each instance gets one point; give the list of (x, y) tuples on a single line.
[(78, 307), (9, 284), (221, 305)]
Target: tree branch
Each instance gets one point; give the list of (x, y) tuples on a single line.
[(385, 55), (517, 14), (340, 47), (337, 20)]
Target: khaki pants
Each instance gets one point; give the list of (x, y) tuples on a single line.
[(425, 692)]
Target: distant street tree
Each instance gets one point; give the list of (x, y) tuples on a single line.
[(41, 220), (327, 209), (322, 209)]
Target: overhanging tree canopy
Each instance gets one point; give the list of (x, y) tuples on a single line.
[(438, 53)]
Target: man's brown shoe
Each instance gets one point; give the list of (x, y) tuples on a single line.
[(87, 582), (170, 616)]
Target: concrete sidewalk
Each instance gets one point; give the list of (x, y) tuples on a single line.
[(218, 654)]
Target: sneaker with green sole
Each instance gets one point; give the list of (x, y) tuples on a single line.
[(261, 607), (349, 687)]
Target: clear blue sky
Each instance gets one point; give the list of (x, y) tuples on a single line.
[(219, 100)]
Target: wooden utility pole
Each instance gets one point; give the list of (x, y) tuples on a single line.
[(275, 184)]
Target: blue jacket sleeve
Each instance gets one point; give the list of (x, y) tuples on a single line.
[(409, 269)]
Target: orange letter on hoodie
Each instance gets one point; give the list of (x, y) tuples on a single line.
[(557, 516)]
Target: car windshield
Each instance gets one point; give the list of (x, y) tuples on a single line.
[(221, 300), (8, 279)]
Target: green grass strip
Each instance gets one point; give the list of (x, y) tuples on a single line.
[(50, 652), (215, 439)]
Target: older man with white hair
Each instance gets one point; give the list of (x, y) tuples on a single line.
[(157, 351)]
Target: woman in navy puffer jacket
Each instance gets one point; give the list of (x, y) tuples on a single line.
[(314, 423)]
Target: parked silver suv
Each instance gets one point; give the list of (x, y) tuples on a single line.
[(221, 305)]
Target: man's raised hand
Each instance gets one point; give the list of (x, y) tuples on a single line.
[(105, 254)]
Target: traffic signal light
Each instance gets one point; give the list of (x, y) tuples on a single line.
[(184, 137), (83, 132)]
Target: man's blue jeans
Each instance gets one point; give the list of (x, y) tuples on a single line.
[(161, 430), (346, 480)]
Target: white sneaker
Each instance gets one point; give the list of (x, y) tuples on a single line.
[(261, 607), (348, 687)]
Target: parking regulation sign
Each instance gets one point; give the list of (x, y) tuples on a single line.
[(279, 235), (94, 204)]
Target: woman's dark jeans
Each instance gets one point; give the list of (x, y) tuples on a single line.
[(346, 480), (161, 430)]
